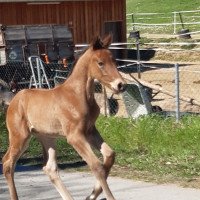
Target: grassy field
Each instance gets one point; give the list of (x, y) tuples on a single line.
[(166, 8), (161, 6), (157, 145), (150, 148)]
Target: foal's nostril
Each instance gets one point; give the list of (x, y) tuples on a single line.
[(121, 87)]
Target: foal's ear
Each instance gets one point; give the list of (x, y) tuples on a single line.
[(97, 43), (107, 41)]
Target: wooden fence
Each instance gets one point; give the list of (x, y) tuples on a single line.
[(174, 21)]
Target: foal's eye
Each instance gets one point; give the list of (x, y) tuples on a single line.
[(101, 64)]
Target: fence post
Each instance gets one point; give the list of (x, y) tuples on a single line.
[(174, 22), (177, 91), (105, 101), (133, 21)]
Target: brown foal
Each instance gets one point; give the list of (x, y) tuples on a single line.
[(68, 110)]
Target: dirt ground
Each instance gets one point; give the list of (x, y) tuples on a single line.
[(161, 73), (189, 68), (189, 84)]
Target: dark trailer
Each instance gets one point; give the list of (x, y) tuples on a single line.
[(25, 47)]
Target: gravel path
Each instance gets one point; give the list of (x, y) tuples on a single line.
[(34, 185)]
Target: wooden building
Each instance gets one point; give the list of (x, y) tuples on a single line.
[(86, 18)]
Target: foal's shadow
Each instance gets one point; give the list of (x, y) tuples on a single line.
[(23, 167)]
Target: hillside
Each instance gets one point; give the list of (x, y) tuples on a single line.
[(161, 6)]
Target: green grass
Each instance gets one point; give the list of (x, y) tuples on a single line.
[(156, 144), (152, 144), (161, 6), (166, 8)]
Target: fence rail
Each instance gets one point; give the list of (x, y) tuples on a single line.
[(173, 20)]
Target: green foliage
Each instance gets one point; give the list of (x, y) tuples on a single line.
[(3, 134)]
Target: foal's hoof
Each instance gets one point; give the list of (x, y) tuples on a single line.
[(90, 198)]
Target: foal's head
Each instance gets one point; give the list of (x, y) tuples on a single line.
[(103, 66)]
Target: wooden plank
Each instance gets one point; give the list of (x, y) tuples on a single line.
[(86, 17), (86, 8)]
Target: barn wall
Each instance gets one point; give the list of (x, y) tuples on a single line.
[(86, 18)]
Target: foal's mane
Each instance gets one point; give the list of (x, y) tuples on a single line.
[(77, 56)]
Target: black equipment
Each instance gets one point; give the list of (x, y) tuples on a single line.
[(22, 41), (53, 44)]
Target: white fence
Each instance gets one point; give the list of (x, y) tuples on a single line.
[(171, 21)]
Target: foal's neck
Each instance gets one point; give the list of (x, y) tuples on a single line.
[(80, 79)]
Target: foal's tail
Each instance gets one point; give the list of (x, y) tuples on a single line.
[(6, 94)]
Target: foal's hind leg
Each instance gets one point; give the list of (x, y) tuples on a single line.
[(18, 140), (97, 141), (51, 168), (83, 146)]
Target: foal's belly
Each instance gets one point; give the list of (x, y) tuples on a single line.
[(51, 127)]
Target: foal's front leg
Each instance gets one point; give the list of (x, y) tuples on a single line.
[(80, 143), (51, 168), (97, 142)]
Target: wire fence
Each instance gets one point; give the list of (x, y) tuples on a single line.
[(17, 75), (169, 90), (155, 90)]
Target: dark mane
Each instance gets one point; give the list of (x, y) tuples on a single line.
[(97, 43), (77, 55)]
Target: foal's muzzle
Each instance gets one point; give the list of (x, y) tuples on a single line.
[(122, 87), (118, 85)]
